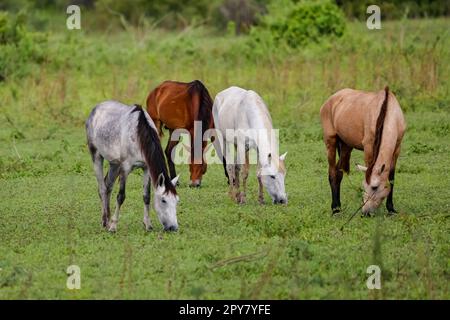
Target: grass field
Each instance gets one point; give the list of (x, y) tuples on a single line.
[(50, 212)]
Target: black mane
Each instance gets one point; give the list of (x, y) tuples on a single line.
[(378, 134), (152, 151), (206, 103)]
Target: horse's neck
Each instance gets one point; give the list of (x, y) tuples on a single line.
[(388, 144)]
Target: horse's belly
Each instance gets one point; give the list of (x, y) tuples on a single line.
[(175, 114)]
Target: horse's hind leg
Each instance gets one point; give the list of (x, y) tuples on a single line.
[(334, 175), (120, 198), (102, 191), (110, 178), (146, 196)]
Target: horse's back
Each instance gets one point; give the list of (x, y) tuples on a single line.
[(351, 114), (109, 126), (169, 103), (237, 108)]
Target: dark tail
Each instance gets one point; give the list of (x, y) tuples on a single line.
[(206, 103), (152, 150), (378, 134)]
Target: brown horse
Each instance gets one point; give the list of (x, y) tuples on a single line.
[(176, 105), (368, 121)]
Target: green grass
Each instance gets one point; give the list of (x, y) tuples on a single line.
[(50, 212)]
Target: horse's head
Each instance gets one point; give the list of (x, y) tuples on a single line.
[(272, 178), (376, 189), (166, 204), (197, 171)]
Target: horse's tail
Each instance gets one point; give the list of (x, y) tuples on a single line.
[(378, 134), (205, 104), (151, 149)]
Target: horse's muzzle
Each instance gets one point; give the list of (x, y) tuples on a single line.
[(195, 183), (171, 228), (280, 201)]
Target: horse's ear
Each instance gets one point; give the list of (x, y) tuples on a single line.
[(361, 168), (175, 180), (382, 168), (161, 180), (283, 156)]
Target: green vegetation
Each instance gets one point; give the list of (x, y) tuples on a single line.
[(50, 213), (300, 23)]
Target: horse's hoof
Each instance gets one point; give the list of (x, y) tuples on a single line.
[(392, 212), (148, 228), (336, 211), (112, 228)]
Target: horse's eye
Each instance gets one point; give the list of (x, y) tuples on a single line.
[(273, 177), (163, 201)]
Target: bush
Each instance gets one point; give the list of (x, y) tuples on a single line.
[(298, 23), (19, 48)]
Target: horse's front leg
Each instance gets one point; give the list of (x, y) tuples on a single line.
[(168, 151), (244, 174), (390, 200), (260, 190), (146, 196), (120, 199)]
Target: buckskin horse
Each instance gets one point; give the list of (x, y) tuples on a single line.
[(126, 137), (177, 105), (368, 121)]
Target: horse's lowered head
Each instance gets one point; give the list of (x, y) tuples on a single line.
[(165, 201), (272, 177), (376, 187), (197, 172)]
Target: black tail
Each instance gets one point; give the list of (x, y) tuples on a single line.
[(378, 134), (206, 103), (152, 151)]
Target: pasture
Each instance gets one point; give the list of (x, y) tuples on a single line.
[(50, 214)]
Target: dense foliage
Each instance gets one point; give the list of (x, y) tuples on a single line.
[(302, 22), (20, 49)]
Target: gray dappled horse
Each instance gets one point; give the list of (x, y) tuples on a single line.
[(126, 137)]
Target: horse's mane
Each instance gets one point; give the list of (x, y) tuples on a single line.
[(152, 151), (206, 103), (378, 134)]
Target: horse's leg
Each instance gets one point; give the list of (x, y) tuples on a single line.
[(170, 145), (220, 147), (98, 168), (260, 191), (146, 196), (193, 168), (237, 195), (120, 198), (390, 200), (110, 179), (244, 174), (231, 170), (334, 175), (343, 165)]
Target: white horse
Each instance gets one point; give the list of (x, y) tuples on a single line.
[(126, 137), (244, 122)]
